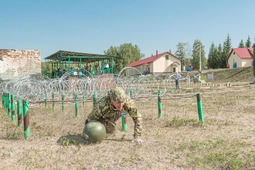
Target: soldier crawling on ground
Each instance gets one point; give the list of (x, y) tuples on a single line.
[(111, 107)]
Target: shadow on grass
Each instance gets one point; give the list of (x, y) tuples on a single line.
[(76, 139), (117, 140)]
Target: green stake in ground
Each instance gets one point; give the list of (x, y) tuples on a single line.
[(9, 104), (124, 122), (199, 108), (159, 105), (13, 107), (76, 104), (94, 98), (19, 112), (26, 119), (63, 103), (53, 101)]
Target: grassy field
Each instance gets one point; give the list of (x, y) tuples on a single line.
[(176, 141), (231, 75)]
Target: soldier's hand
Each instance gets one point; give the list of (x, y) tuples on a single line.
[(137, 141)]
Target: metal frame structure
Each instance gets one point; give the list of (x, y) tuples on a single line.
[(65, 60)]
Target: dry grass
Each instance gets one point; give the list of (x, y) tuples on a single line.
[(176, 141)]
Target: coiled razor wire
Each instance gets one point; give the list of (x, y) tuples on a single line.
[(37, 89)]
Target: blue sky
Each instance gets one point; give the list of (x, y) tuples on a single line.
[(93, 26)]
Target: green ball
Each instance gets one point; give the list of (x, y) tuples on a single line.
[(96, 131)]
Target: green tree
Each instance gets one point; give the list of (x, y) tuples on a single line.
[(124, 55), (218, 55), (210, 56), (182, 53), (226, 49), (241, 44), (248, 42), (46, 68), (197, 52), (214, 56)]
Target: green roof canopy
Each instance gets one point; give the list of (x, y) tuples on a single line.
[(77, 56)]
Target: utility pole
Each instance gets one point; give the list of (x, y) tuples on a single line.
[(200, 53)]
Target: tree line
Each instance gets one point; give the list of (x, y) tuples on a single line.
[(195, 57), (217, 57)]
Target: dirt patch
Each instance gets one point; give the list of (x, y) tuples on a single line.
[(176, 141)]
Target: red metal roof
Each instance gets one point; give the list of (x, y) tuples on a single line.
[(243, 53), (147, 60)]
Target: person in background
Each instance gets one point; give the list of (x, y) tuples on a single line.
[(177, 77), (106, 67)]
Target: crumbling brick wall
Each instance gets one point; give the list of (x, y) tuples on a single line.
[(18, 63)]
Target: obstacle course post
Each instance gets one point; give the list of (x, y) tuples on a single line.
[(13, 107), (26, 119), (9, 105), (19, 112), (94, 98), (199, 107), (76, 104), (124, 116), (159, 105), (53, 101), (124, 122), (63, 103)]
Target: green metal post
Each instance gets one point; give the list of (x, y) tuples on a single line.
[(9, 104), (94, 98), (102, 65), (13, 107), (124, 122), (4, 100), (124, 116), (68, 64), (19, 112), (26, 119), (53, 102), (159, 105), (80, 65), (63, 103), (199, 107), (76, 105), (112, 65)]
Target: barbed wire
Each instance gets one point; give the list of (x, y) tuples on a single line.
[(37, 88)]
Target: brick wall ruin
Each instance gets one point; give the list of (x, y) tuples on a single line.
[(18, 63)]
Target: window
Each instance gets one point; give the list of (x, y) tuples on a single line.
[(167, 57)]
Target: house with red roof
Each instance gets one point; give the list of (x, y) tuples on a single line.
[(240, 57), (159, 63)]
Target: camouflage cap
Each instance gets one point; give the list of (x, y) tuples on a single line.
[(118, 95)]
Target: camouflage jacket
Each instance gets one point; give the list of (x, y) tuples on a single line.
[(105, 111)]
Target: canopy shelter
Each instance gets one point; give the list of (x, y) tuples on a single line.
[(78, 64)]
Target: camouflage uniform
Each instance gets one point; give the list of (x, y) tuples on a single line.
[(105, 112)]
